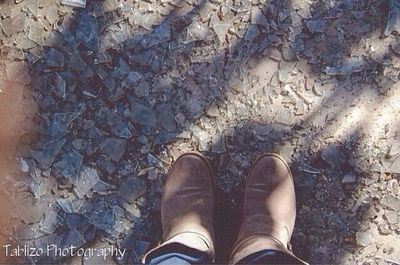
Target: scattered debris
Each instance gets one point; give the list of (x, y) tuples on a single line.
[(75, 3), (349, 178), (124, 87), (353, 65), (114, 148), (393, 21)]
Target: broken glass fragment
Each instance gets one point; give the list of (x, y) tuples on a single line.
[(135, 248), (39, 188), (333, 156), (218, 144), (18, 72), (36, 33), (143, 115), (69, 165), (54, 58), (50, 13), (51, 220), (44, 241), (394, 167), (24, 166), (113, 147), (13, 25), (70, 238), (102, 187), (122, 69), (309, 169), (75, 3), (160, 35), (33, 56), (70, 205), (55, 40), (251, 33), (198, 31), (87, 31), (352, 65), (68, 36), (167, 118), (60, 85), (257, 17), (165, 137), (391, 202), (349, 178), (154, 161), (393, 20), (60, 122), (364, 238), (132, 188), (32, 6), (221, 29), (122, 130), (105, 214), (316, 25), (48, 153), (103, 57), (86, 180), (132, 79)]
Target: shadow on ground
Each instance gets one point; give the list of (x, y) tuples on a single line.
[(172, 94)]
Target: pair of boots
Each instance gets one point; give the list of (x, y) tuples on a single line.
[(269, 209)]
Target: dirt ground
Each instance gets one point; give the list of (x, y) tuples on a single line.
[(104, 97)]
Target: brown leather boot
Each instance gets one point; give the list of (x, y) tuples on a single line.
[(187, 205), (269, 209)]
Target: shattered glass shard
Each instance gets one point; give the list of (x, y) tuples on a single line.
[(65, 204), (316, 25), (114, 148), (54, 58), (393, 21), (160, 35), (86, 180), (14, 24), (121, 130), (51, 220), (218, 144), (48, 153), (60, 85), (221, 29), (351, 65), (70, 238), (18, 72), (132, 79), (60, 122), (198, 31), (33, 57), (87, 32), (101, 213), (167, 118), (251, 33), (32, 6), (132, 188), (122, 69), (74, 3), (257, 17), (36, 33), (68, 36), (39, 188), (102, 187), (143, 115), (69, 165), (333, 156), (391, 202)]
